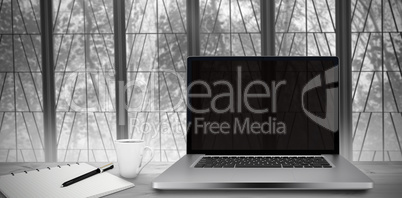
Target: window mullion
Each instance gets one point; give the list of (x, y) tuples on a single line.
[(267, 28), (49, 107), (344, 51), (193, 27), (120, 69)]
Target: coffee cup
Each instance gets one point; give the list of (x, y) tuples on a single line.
[(130, 154)]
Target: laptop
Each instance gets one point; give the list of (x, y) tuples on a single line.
[(262, 123)]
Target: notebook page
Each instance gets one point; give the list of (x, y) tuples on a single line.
[(46, 183)]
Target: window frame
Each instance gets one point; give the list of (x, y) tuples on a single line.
[(267, 10)]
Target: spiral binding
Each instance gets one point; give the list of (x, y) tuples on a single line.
[(26, 172)]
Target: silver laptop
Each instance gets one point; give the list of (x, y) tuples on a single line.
[(262, 123)]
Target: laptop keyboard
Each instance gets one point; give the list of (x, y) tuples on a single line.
[(262, 162)]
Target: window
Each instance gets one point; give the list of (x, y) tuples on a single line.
[(21, 111), (157, 40), (84, 80), (376, 70)]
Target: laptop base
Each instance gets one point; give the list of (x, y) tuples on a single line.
[(183, 176)]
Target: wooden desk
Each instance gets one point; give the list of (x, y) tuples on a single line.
[(387, 183)]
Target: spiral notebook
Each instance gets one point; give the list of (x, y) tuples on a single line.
[(46, 183)]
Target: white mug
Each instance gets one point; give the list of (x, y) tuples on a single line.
[(129, 156)]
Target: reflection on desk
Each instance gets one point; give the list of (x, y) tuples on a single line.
[(387, 183)]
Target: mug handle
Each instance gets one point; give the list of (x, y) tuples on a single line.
[(152, 156)]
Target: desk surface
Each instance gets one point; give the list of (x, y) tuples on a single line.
[(387, 183)]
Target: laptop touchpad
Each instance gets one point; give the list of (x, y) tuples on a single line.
[(263, 175)]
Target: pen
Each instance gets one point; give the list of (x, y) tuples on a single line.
[(89, 174)]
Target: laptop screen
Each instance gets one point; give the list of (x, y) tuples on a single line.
[(262, 105)]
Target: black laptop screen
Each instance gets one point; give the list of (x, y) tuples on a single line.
[(258, 105)]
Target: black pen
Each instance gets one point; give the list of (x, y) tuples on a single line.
[(89, 174)]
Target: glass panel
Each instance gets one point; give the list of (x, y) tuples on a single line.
[(291, 44), (84, 79), (305, 27), (21, 110), (366, 15), (392, 52), (230, 28), (376, 65), (156, 64)]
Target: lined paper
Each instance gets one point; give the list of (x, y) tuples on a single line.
[(46, 183)]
